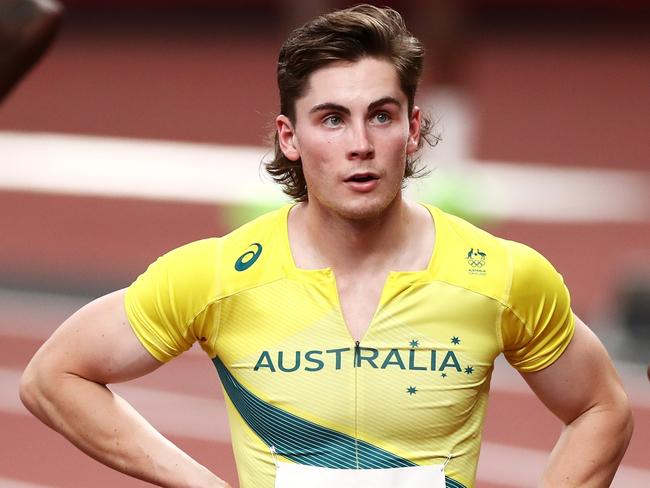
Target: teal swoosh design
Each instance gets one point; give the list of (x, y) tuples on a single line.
[(247, 259), (303, 441)]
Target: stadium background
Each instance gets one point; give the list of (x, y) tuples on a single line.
[(544, 110)]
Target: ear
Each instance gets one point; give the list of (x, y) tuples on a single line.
[(287, 138), (415, 123)]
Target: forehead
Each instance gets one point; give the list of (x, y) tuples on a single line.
[(352, 83)]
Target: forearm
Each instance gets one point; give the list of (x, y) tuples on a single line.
[(590, 448), (106, 427)]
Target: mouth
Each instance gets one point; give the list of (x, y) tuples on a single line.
[(361, 178), (362, 182)]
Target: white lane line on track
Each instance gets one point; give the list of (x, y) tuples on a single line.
[(202, 419), (218, 174), (12, 483), (134, 168)]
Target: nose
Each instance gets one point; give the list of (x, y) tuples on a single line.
[(361, 146)]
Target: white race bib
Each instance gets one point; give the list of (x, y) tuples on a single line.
[(289, 475)]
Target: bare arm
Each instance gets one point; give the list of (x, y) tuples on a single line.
[(582, 388), (26, 29), (65, 386)]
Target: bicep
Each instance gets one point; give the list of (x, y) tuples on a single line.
[(96, 343), (580, 379)]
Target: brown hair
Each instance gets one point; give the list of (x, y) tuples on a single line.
[(344, 35)]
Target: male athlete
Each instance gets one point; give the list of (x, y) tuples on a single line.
[(354, 332)]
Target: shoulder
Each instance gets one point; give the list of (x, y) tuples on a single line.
[(533, 277), (470, 257), (177, 298), (536, 322), (253, 254), (266, 228), (457, 232), (187, 274), (214, 266), (478, 260)]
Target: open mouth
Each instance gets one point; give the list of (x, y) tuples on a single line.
[(361, 178)]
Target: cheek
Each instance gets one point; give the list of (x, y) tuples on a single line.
[(318, 153), (311, 147), (314, 167), (396, 144)]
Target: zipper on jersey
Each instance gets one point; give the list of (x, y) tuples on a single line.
[(357, 353)]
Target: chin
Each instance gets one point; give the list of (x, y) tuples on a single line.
[(368, 209)]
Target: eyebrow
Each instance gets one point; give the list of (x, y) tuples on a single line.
[(329, 106), (384, 101), (340, 108)]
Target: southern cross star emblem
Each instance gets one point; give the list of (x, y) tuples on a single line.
[(469, 369), (411, 390), (455, 340), (414, 343)]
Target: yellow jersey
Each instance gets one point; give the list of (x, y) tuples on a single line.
[(412, 391)]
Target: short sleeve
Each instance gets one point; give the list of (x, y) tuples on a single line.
[(538, 323), (168, 306)]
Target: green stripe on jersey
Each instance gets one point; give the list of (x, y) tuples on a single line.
[(303, 441)]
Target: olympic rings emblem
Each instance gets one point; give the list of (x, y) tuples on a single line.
[(476, 263), (476, 259)]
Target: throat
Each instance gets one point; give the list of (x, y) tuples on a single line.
[(402, 241), (347, 242)]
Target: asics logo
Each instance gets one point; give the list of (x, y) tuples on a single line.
[(247, 259)]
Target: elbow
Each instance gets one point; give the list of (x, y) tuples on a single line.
[(29, 390), (626, 429), (627, 423), (36, 390), (622, 421)]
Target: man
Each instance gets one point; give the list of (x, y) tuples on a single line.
[(354, 332), (27, 28)]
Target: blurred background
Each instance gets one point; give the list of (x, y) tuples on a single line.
[(143, 128)]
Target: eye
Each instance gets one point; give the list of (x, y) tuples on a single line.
[(381, 117), (332, 121)]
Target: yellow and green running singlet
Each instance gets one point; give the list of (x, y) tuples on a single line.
[(413, 391)]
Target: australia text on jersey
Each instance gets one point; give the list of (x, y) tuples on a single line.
[(317, 360)]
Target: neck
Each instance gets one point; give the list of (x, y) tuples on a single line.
[(339, 242)]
